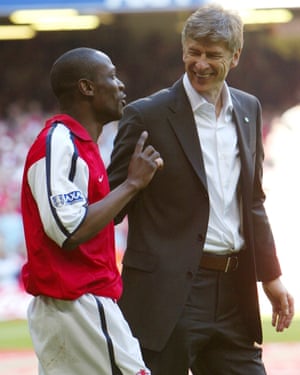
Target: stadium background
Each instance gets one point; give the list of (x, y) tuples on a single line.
[(143, 40)]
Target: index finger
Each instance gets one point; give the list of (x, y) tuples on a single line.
[(141, 142)]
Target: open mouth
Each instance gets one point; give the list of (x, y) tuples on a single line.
[(123, 100)]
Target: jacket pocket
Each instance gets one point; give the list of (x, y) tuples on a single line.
[(140, 260)]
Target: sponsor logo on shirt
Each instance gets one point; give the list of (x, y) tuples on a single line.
[(72, 197)]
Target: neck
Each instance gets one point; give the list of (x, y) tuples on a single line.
[(93, 127)]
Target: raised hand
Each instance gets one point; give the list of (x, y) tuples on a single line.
[(144, 163)]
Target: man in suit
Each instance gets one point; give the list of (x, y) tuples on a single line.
[(199, 238)]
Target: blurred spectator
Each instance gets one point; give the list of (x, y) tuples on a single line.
[(9, 268)]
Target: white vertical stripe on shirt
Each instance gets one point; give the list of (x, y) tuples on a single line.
[(219, 144)]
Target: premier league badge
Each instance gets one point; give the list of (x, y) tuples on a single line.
[(72, 197)]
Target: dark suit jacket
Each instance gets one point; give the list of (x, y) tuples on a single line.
[(168, 220)]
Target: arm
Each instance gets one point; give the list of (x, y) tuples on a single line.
[(267, 264), (266, 260), (142, 167), (62, 199)]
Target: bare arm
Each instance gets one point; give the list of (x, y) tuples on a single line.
[(143, 165)]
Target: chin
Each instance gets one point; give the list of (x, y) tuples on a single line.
[(117, 116)]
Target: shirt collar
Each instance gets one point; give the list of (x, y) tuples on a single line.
[(74, 126), (198, 100)]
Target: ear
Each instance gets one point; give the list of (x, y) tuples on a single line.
[(235, 58), (86, 87)]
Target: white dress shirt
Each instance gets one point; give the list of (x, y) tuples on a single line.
[(219, 144)]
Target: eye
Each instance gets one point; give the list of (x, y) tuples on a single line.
[(214, 56), (113, 74), (194, 52)]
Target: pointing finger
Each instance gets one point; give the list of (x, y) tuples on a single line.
[(141, 142)]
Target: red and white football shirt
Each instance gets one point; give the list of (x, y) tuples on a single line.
[(63, 174)]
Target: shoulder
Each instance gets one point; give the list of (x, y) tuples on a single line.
[(161, 98), (244, 102), (242, 95)]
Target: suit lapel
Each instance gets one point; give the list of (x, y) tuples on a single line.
[(182, 121), (242, 120)]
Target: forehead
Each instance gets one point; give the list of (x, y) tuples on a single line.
[(205, 44), (103, 63)]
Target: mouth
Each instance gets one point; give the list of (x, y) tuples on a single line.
[(203, 76), (123, 100)]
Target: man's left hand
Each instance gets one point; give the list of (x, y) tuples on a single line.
[(282, 304)]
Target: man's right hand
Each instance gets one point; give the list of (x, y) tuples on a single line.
[(144, 163)]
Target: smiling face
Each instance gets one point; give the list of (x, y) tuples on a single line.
[(207, 66)]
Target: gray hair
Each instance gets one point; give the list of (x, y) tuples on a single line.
[(214, 24)]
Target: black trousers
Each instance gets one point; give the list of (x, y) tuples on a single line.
[(210, 337)]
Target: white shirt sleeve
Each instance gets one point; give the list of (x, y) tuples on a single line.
[(59, 184)]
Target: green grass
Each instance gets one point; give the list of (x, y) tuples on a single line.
[(14, 335), (289, 335)]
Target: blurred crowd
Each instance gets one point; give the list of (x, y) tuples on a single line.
[(145, 61), (17, 132)]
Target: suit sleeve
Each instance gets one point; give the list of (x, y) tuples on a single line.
[(267, 264), (130, 129)]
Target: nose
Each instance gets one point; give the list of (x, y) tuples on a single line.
[(121, 85), (202, 62)]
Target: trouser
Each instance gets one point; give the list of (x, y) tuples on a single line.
[(210, 337), (86, 336)]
